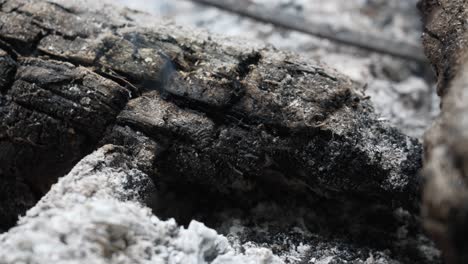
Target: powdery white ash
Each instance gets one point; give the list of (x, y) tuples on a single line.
[(90, 216), (300, 246)]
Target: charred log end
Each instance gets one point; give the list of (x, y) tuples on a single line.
[(52, 114)]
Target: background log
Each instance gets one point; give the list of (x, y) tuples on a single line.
[(446, 194)]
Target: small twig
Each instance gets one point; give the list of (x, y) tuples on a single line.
[(357, 39)]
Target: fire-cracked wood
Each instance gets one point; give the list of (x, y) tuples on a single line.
[(446, 192), (235, 122)]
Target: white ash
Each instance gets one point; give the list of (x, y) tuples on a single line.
[(297, 245), (90, 216)]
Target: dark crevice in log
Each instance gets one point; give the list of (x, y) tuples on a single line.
[(67, 10), (18, 48), (245, 63), (7, 71), (9, 49)]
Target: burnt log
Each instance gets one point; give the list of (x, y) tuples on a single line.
[(445, 199), (227, 123)]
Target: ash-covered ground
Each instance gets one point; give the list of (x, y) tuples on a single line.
[(402, 91)]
